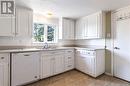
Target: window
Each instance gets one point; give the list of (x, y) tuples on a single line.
[(44, 33)]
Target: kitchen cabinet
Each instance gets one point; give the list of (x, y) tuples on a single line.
[(24, 68), (7, 25), (92, 30), (91, 26), (54, 60), (20, 25), (58, 63), (81, 28), (66, 29), (69, 59), (90, 62), (46, 66), (4, 69), (24, 22)]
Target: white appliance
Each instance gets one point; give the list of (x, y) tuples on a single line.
[(24, 68), (91, 62)]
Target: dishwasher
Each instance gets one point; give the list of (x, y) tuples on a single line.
[(24, 68)]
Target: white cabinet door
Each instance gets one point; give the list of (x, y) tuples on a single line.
[(89, 62), (59, 63), (79, 30), (65, 27), (46, 66), (23, 22), (81, 62), (4, 69), (92, 31), (25, 68), (91, 26), (4, 79), (66, 30), (52, 63), (71, 30), (7, 26)]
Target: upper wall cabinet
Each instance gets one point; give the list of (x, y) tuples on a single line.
[(7, 25), (91, 27), (66, 29), (24, 22), (20, 25)]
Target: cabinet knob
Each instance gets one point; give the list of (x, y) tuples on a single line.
[(35, 77), (2, 57)]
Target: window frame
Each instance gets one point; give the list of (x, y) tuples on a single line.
[(45, 33)]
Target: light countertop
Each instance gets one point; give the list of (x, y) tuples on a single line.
[(49, 49)]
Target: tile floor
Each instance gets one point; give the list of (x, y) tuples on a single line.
[(76, 78)]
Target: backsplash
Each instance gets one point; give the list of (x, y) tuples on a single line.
[(92, 42), (15, 41)]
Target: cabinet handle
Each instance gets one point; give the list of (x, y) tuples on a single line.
[(69, 57), (69, 51), (26, 55), (2, 57), (88, 53), (69, 65)]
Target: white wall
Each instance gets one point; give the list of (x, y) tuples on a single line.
[(92, 42), (15, 41)]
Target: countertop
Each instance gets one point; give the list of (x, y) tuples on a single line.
[(49, 49)]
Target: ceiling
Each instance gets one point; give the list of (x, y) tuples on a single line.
[(72, 8)]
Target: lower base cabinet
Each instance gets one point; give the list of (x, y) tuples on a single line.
[(56, 62), (4, 69), (52, 63), (90, 62)]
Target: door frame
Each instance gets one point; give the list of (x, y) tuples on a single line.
[(113, 22), (112, 40), (112, 43)]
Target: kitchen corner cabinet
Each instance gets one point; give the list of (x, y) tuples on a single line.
[(24, 22), (66, 29), (4, 69), (91, 62), (52, 63), (91, 26)]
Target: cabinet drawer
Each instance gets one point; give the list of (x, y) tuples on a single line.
[(69, 51), (44, 53), (69, 66), (4, 57), (69, 58), (86, 52)]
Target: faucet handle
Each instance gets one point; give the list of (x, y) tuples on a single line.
[(46, 45)]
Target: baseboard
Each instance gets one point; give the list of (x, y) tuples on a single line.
[(109, 74)]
